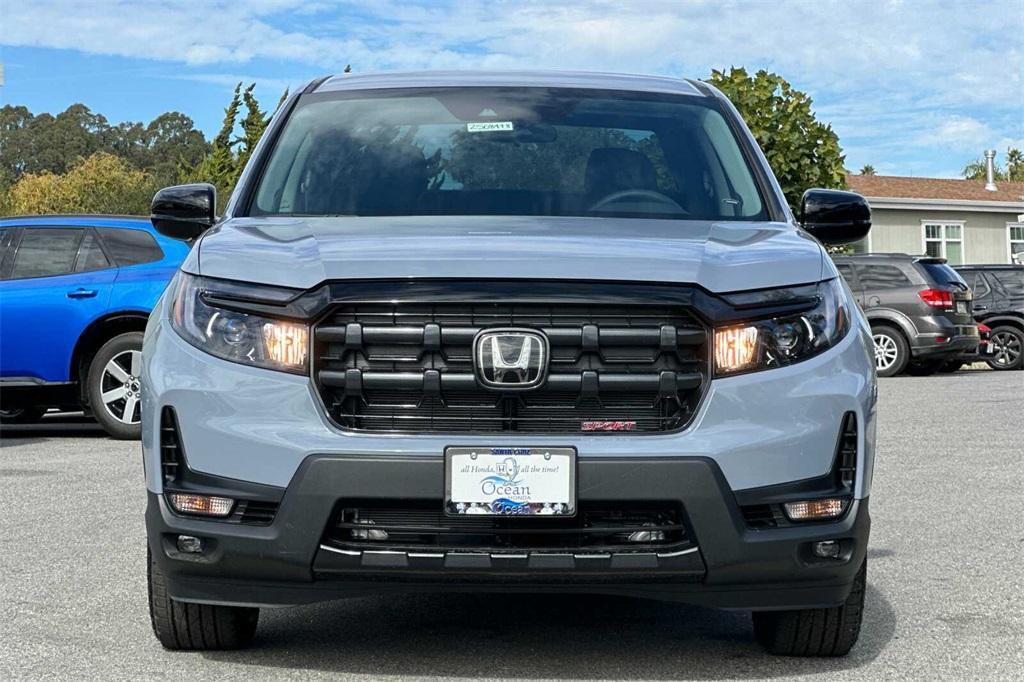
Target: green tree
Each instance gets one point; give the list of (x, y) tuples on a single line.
[(868, 170), (220, 166), (233, 145), (45, 143), (101, 183), (253, 125), (802, 151)]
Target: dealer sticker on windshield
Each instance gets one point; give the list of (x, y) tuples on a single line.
[(510, 481), (489, 127)]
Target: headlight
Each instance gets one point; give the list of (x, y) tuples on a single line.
[(238, 337), (781, 341)]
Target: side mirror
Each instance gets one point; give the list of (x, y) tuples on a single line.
[(184, 211), (835, 217)]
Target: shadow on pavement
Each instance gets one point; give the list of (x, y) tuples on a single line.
[(53, 425), (515, 636)]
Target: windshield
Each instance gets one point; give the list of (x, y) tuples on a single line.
[(508, 151)]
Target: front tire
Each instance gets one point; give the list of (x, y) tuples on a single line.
[(112, 385), (181, 626), (891, 351), (1009, 348), (814, 632)]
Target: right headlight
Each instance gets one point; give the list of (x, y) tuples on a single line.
[(239, 337), (781, 341)]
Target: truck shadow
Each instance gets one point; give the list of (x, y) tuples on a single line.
[(552, 637)]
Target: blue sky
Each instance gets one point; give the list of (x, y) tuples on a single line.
[(911, 87)]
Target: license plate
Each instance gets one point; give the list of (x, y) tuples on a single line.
[(506, 481), (961, 306)]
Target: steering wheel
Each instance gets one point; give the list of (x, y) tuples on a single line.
[(637, 194)]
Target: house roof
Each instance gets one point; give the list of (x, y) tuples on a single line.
[(897, 187)]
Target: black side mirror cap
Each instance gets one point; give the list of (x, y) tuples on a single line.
[(835, 217), (184, 211)]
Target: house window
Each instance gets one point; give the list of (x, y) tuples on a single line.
[(945, 240), (1016, 239)]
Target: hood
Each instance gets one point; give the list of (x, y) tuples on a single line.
[(303, 252)]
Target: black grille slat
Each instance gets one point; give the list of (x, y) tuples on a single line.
[(257, 513), (170, 445), (409, 367), (598, 526)]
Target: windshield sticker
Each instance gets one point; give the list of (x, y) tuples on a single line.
[(489, 127)]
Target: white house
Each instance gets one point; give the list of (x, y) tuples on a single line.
[(964, 221)]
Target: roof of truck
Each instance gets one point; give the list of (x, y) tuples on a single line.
[(543, 79)]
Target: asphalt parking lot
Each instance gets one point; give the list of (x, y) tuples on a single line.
[(945, 596)]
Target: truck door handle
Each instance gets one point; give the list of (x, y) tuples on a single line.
[(981, 307), (82, 293)]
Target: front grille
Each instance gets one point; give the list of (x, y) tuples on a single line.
[(408, 367), (604, 526)]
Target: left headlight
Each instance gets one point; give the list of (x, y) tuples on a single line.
[(781, 341), (239, 337)]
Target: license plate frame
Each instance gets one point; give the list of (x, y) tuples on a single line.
[(544, 469)]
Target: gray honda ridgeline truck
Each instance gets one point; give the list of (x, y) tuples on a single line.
[(515, 332)]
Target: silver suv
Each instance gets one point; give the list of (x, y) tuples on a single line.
[(521, 332)]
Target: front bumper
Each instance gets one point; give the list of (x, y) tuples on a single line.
[(264, 433), (728, 564)]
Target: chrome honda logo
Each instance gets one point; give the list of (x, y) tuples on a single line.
[(510, 358)]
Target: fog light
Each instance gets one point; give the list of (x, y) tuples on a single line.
[(204, 505), (646, 535), (371, 534), (828, 549), (814, 510), (189, 544)]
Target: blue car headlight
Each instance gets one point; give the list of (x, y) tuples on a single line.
[(782, 341), (236, 336)]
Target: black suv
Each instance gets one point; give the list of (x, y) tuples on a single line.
[(919, 309), (999, 303)]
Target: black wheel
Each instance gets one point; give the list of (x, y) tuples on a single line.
[(112, 386), (1008, 343), (191, 627), (891, 351), (924, 368), (23, 415), (950, 367), (814, 632)]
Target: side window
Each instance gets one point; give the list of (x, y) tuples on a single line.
[(1012, 281), (882, 277), (846, 270), (7, 243), (980, 285), (46, 251), (130, 247), (90, 255)]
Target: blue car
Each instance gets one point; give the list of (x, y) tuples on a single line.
[(75, 294)]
